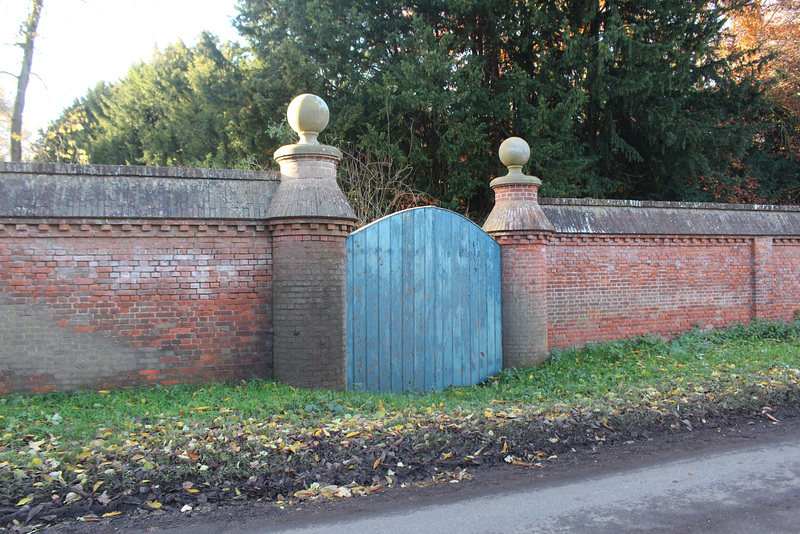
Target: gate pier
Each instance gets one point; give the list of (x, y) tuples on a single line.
[(522, 229), (309, 219)]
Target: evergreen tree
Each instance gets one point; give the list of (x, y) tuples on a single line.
[(617, 98), (181, 108)]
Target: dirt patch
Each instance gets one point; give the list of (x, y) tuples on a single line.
[(445, 460)]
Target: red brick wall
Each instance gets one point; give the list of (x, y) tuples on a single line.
[(607, 288), (109, 303), (786, 289)]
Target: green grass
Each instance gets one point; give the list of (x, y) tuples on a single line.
[(50, 441)]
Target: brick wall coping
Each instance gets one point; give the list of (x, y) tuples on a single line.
[(109, 191), (136, 170), (663, 204), (592, 216)]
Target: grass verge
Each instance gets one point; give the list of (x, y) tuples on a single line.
[(94, 453)]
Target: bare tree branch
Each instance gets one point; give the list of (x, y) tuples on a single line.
[(377, 186)]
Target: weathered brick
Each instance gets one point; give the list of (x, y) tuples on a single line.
[(308, 305), (86, 306)]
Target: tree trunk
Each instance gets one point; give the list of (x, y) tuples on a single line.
[(22, 80)]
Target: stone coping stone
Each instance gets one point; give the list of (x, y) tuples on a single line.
[(135, 170), (64, 190), (634, 217)]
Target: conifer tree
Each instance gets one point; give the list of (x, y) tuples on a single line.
[(617, 98)]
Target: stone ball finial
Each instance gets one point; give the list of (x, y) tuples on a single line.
[(308, 115), (514, 153)]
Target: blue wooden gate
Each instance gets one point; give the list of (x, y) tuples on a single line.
[(423, 303)]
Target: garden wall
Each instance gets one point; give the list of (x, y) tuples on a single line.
[(115, 276), (618, 269)]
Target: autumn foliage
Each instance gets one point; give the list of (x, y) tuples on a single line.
[(766, 33)]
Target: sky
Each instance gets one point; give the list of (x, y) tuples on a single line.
[(83, 42)]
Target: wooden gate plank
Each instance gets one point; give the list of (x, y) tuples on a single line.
[(460, 322), (429, 275), (409, 304), (418, 268), (466, 319), (372, 296), (397, 331), (445, 330)]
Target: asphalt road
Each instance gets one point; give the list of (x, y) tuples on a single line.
[(751, 487)]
